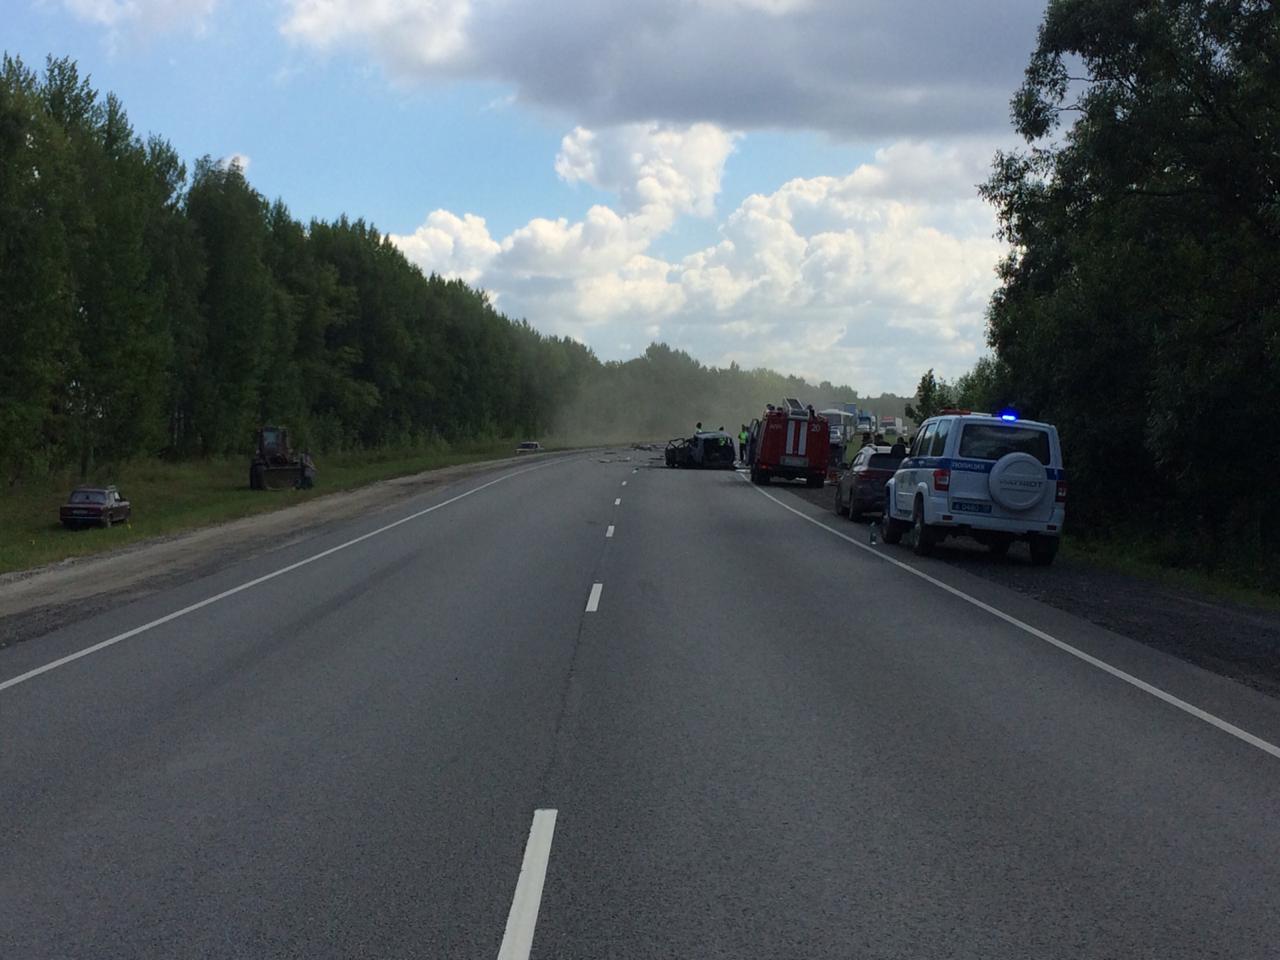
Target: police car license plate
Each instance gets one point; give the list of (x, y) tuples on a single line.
[(794, 462), (970, 506)]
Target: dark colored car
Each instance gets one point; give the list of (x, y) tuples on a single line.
[(94, 507), (707, 450), (528, 446), (677, 454), (860, 488)]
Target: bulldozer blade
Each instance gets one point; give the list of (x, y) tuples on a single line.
[(280, 478)]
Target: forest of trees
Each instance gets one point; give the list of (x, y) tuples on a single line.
[(145, 312), (1140, 307)]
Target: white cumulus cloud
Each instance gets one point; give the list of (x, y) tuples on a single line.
[(238, 160), (451, 246), (408, 35), (869, 277), (658, 171)]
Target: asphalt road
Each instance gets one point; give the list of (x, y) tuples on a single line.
[(344, 758)]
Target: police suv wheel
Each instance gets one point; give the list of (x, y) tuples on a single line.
[(1043, 550), (922, 537)]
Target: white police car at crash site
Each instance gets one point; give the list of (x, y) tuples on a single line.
[(994, 478)]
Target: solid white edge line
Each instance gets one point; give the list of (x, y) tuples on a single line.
[(1188, 708), (593, 601), (111, 641), (609, 533), (517, 941), (617, 502)]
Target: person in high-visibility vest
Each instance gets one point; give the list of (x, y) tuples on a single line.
[(742, 443)]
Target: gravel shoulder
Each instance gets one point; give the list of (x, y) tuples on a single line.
[(1232, 640), (34, 602)]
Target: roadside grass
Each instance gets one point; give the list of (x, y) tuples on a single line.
[(1146, 561), (170, 497)]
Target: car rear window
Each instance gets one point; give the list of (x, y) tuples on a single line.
[(88, 496), (884, 461), (986, 441)]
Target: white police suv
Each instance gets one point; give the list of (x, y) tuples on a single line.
[(994, 478)]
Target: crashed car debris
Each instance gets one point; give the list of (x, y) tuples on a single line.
[(705, 450)]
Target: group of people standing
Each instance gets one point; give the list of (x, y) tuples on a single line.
[(743, 436), (899, 448)]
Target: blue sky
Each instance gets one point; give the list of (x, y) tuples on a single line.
[(775, 182)]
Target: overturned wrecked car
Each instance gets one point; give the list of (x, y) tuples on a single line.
[(707, 450)]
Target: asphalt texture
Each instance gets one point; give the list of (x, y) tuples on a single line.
[(1232, 639), (343, 760)]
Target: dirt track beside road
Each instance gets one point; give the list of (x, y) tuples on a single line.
[(33, 602)]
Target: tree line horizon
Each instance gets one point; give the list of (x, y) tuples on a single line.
[(148, 311)]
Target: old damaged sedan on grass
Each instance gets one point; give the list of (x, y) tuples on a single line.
[(94, 507)]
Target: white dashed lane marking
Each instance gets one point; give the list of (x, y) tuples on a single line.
[(517, 941)]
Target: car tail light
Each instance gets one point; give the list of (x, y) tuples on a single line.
[(942, 479), (1062, 491)]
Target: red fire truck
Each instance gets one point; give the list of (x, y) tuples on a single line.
[(790, 442)]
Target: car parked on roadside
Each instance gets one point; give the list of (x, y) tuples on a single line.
[(860, 488), (528, 446), (94, 507), (996, 479)]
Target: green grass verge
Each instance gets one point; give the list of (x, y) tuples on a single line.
[(1143, 561), (171, 497)]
